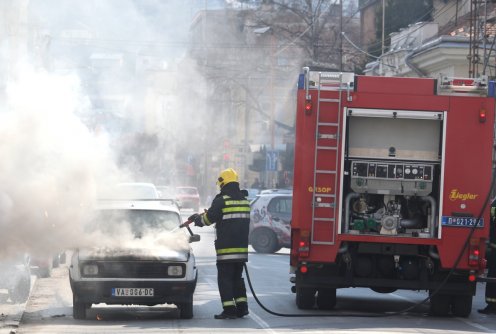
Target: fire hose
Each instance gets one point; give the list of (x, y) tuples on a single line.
[(383, 314)]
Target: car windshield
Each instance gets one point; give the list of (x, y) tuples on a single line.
[(138, 221)]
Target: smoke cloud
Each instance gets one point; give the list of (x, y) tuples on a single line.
[(55, 162)]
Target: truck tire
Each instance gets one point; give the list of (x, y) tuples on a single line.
[(461, 305), (305, 298), (264, 240), (326, 299), (440, 305), (78, 308)]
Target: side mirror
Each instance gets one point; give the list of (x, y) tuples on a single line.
[(194, 238)]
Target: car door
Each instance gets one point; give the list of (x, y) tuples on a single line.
[(279, 209)]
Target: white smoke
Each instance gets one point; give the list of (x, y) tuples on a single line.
[(52, 165)]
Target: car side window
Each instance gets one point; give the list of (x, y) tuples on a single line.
[(280, 205)]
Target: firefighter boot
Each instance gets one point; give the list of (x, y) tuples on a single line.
[(241, 309), (489, 309), (229, 312)]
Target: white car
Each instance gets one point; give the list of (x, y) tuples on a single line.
[(150, 261), (131, 191), (270, 221)]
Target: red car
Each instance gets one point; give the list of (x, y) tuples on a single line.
[(188, 197)]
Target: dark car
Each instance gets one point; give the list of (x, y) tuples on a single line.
[(137, 271), (270, 221)]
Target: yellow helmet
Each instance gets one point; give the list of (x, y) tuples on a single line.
[(227, 176)]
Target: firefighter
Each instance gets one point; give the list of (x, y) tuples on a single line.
[(230, 212), (491, 265)]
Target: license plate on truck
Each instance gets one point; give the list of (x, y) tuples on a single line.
[(132, 292), (462, 221)]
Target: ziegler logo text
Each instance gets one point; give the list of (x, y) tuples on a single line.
[(455, 194)]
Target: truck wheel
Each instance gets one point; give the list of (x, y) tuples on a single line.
[(305, 298), (20, 293), (462, 305), (78, 309), (440, 305), (326, 299), (264, 241)]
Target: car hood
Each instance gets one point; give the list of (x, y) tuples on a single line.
[(158, 254)]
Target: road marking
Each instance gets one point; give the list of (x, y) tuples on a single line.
[(476, 325), (265, 326)]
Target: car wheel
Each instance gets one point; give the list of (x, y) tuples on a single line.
[(78, 309), (186, 309), (326, 299), (20, 293), (264, 241), (305, 298), (462, 305)]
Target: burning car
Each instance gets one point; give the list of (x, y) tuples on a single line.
[(146, 260)]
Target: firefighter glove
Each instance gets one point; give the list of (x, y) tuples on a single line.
[(197, 219)]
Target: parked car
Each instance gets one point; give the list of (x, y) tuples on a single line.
[(166, 192), (270, 222), (42, 265), (188, 198), (146, 274), (276, 191), (15, 276), (252, 193), (131, 191)]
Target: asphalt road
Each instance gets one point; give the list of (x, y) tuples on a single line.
[(49, 309)]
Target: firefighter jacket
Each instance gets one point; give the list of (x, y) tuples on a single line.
[(230, 212)]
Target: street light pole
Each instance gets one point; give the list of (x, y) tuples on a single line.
[(383, 19)]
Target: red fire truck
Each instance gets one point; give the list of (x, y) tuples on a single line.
[(390, 180)]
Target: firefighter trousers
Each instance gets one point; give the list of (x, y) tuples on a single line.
[(231, 284)]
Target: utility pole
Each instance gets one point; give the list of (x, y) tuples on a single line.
[(341, 36), (383, 20), (474, 33)]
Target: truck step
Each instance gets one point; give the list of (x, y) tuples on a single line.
[(327, 147), (327, 124), (321, 171)]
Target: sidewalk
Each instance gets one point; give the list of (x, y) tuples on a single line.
[(10, 316)]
